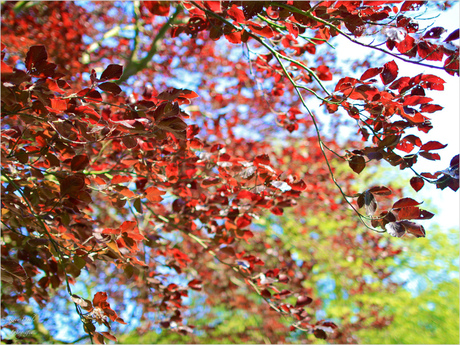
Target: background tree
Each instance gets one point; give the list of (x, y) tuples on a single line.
[(111, 170)]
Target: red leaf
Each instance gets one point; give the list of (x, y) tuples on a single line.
[(117, 179), (430, 108), (407, 143), (265, 31), (35, 55), (407, 46), (99, 299), (262, 159), (452, 63), (390, 72), (357, 163), (195, 284), (371, 72), (432, 145), (417, 183), (416, 100), (413, 228), (90, 94), (234, 37), (452, 36), (173, 94), (292, 28), (79, 162), (154, 194), (400, 84), (112, 71), (237, 14), (58, 104), (410, 212), (424, 214), (277, 211), (298, 186), (243, 221), (430, 52), (128, 226), (380, 190), (405, 202), (324, 73), (110, 87), (214, 6), (430, 156)]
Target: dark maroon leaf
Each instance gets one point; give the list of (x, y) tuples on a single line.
[(35, 55), (320, 334), (303, 301), (452, 36), (112, 72), (417, 183), (79, 162), (110, 87), (357, 163), (430, 156), (265, 293), (130, 142), (435, 32), (413, 228), (14, 268)]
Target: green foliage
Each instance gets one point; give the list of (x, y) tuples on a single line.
[(432, 315)]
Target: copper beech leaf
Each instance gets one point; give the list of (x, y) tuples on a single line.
[(389, 73), (35, 55), (357, 163), (417, 183), (432, 145), (405, 202), (153, 194), (410, 212), (454, 35), (415, 229), (14, 268), (79, 162), (371, 72), (112, 72), (395, 229), (302, 301), (380, 190), (110, 87)]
